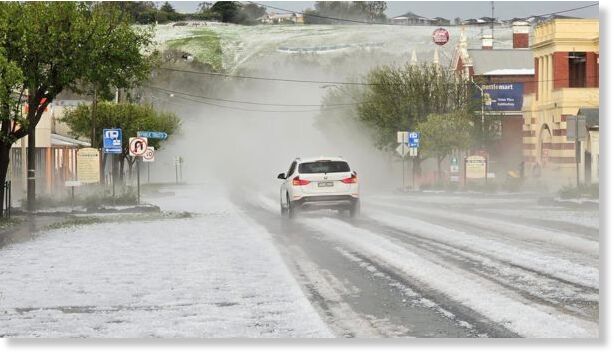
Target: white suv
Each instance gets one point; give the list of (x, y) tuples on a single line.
[(319, 183)]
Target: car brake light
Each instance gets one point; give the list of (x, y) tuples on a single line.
[(299, 182), (351, 180)]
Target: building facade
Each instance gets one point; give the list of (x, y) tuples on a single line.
[(566, 62), (504, 75)]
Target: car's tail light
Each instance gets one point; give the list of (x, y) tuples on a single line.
[(299, 182), (351, 180)]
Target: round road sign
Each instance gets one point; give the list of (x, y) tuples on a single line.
[(441, 36), (149, 155), (137, 146)]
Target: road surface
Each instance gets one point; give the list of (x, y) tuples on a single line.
[(413, 265)]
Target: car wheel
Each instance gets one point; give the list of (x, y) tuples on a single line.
[(291, 209), (355, 209)]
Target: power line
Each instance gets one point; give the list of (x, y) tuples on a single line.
[(264, 78), (253, 110), (241, 102), (335, 82)]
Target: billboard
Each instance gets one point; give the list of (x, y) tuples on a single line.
[(503, 96)]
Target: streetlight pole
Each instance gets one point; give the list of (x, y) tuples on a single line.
[(482, 109)]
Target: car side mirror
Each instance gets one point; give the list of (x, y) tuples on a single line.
[(281, 176)]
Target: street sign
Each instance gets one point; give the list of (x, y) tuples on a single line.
[(72, 183), (137, 146), (571, 128), (149, 156), (414, 139), (112, 140), (413, 151), (152, 135), (402, 136), (402, 149), (441, 36), (475, 167)]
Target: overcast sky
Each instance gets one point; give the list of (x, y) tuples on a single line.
[(447, 9)]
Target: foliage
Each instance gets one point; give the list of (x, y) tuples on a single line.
[(127, 116), (58, 46), (326, 11), (442, 134), (398, 98), (233, 12)]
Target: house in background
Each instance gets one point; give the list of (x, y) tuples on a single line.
[(566, 62), (505, 75), (411, 19)]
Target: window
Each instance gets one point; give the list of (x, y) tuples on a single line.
[(324, 167), (577, 69)]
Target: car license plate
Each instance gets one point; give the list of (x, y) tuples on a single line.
[(325, 184)]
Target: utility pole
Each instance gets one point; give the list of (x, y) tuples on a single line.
[(482, 112), (577, 141), (492, 21)]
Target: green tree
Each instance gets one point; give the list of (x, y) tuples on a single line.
[(129, 117), (167, 7), (398, 98), (64, 45), (442, 134), (10, 79), (226, 11)]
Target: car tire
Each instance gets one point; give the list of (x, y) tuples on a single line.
[(291, 209), (355, 209)]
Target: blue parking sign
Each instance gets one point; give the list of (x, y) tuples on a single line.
[(112, 140), (414, 139)]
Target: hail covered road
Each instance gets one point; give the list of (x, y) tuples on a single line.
[(416, 265)]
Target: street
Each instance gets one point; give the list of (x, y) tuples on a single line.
[(416, 265)]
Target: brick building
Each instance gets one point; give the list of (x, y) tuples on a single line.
[(566, 62), (505, 75)]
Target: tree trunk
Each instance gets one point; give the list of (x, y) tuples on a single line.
[(4, 168), (121, 170), (31, 189), (439, 160)]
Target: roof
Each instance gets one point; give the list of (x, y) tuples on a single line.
[(409, 15), (489, 60), (591, 114), (312, 159), (524, 71), (59, 140)]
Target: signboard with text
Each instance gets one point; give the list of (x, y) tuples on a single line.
[(88, 165), (503, 96)]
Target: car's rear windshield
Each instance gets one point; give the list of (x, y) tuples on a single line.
[(324, 166)]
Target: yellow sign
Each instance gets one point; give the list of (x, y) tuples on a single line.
[(88, 165), (475, 167)]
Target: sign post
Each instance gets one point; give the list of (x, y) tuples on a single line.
[(112, 144), (149, 157), (576, 130), (137, 147), (413, 140), (402, 150)]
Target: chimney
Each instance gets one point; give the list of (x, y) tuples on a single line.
[(487, 41), (520, 33)]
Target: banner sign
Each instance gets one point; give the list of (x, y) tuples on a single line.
[(503, 96)]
